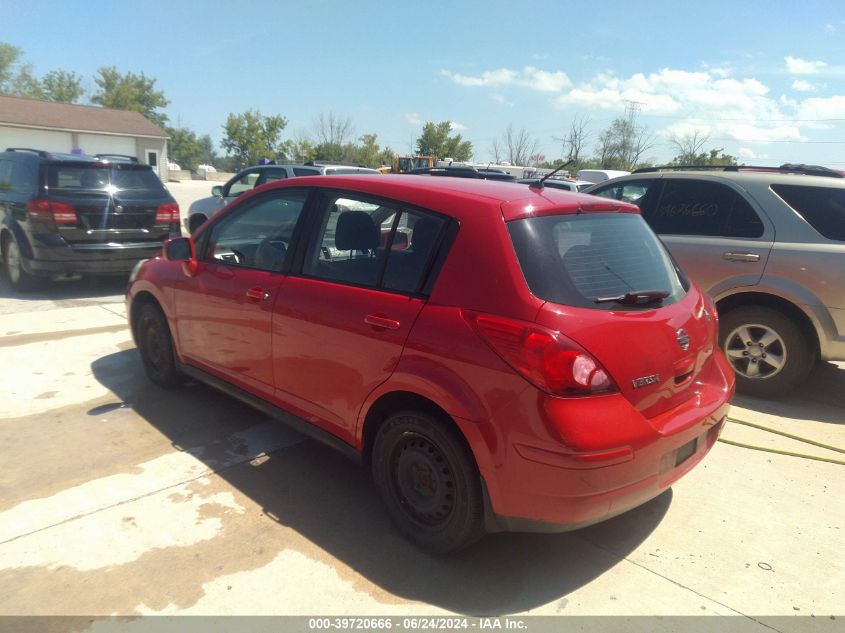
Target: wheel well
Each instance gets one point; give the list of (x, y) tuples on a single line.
[(396, 401), (776, 303)]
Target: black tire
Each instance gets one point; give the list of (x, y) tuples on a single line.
[(429, 482), (18, 277), (156, 347), (196, 221), (770, 353)]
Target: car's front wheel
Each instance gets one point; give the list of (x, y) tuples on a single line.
[(768, 350), (428, 479), (156, 347), (17, 275)]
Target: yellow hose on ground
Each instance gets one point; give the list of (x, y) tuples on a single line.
[(790, 436)]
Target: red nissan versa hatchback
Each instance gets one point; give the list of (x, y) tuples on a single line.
[(501, 357)]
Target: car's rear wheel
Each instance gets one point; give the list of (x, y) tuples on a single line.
[(427, 477), (768, 350), (156, 347), (18, 277), (196, 221)]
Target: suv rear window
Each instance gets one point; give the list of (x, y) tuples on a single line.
[(822, 207), (575, 259), (73, 177)]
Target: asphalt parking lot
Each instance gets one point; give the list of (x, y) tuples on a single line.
[(117, 497)]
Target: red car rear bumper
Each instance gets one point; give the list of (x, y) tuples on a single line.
[(581, 461)]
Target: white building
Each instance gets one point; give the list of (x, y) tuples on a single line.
[(63, 127)]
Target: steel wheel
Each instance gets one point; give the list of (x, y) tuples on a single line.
[(427, 477), (756, 351), (156, 347), (423, 480)]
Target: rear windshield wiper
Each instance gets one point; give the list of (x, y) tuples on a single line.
[(636, 297)]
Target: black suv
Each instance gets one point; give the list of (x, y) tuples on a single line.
[(67, 214)]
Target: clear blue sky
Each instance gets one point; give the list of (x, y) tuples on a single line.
[(766, 80)]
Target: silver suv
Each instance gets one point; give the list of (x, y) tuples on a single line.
[(252, 177), (768, 244)]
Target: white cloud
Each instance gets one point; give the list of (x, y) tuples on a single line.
[(822, 108), (413, 118), (745, 152), (501, 99), (798, 66), (528, 77), (829, 28), (742, 109), (802, 85), (457, 127)]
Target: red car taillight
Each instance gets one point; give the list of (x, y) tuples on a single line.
[(167, 213), (46, 210), (547, 359)]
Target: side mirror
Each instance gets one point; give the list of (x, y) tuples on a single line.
[(217, 191), (182, 249)]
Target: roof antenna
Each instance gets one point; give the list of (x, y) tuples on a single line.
[(539, 183)]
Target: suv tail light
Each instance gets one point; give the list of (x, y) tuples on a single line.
[(547, 359), (167, 213), (47, 210)]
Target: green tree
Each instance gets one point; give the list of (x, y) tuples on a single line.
[(62, 85), (251, 136), (208, 154), (16, 78), (436, 141), (690, 148), (184, 147), (130, 92)]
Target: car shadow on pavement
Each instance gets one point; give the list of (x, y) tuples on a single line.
[(332, 506), (821, 398), (85, 288)]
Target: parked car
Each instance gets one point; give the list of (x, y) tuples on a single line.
[(558, 183), (252, 177), (769, 246), (69, 214), (498, 361), (461, 171)]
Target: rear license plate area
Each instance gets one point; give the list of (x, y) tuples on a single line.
[(685, 452)]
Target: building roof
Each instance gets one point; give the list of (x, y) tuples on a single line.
[(76, 118)]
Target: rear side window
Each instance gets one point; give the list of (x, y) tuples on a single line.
[(574, 260), (696, 207), (374, 244), (304, 171), (822, 207)]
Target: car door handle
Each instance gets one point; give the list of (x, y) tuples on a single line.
[(383, 321), (258, 294), (732, 256)]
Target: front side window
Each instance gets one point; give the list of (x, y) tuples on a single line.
[(373, 244), (245, 182), (698, 207), (822, 207), (258, 235), (579, 259)]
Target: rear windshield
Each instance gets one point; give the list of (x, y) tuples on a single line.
[(97, 177), (822, 207), (576, 259)]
